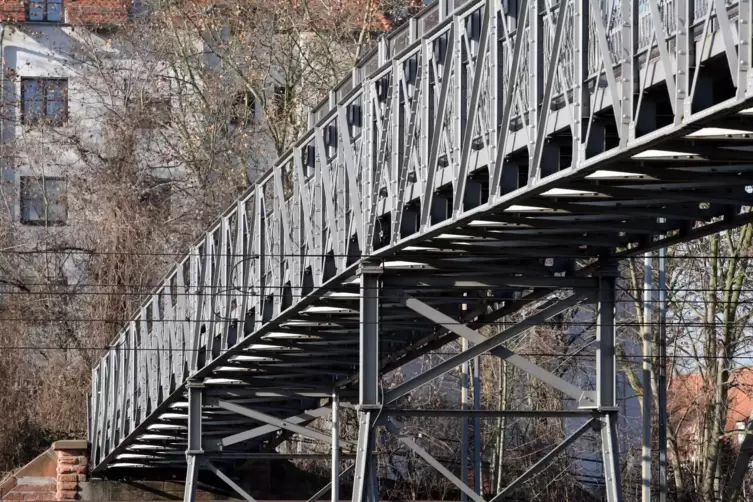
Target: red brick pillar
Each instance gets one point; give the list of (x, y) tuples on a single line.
[(72, 465)]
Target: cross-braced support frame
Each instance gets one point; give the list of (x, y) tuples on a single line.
[(599, 407)]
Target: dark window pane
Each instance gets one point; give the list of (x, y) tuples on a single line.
[(43, 200), (32, 200), (56, 111), (30, 88), (44, 98), (244, 108), (158, 110), (31, 93), (57, 86), (36, 11), (33, 110), (55, 198), (54, 10), (57, 100)]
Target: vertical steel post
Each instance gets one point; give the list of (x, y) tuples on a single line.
[(194, 450), (663, 489), (335, 490), (464, 445), (364, 484), (606, 381), (646, 381), (606, 364), (684, 14), (581, 95), (476, 427), (369, 336), (536, 79), (630, 68)]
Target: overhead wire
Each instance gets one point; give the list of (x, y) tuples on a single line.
[(405, 256)]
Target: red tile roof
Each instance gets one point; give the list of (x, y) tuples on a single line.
[(323, 14), (688, 396)]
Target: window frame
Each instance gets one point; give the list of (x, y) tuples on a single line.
[(43, 83), (45, 11), (243, 101), (155, 110), (44, 221)]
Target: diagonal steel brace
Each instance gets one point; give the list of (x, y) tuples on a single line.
[(277, 422), (473, 336), (232, 484), (544, 462), (395, 429), (267, 429), (487, 345)]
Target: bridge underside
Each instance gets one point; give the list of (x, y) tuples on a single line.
[(411, 229)]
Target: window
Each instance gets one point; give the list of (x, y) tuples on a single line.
[(158, 109), (152, 110), (244, 108), (283, 102), (44, 10), (43, 201), (156, 195), (44, 99)]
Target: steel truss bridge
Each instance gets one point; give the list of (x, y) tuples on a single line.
[(495, 153)]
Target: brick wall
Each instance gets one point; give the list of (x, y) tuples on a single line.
[(72, 464), (28, 489), (88, 12), (12, 10), (96, 12), (56, 474)]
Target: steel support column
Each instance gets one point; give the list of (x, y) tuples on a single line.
[(646, 380), (335, 491), (364, 487), (194, 451), (476, 427), (464, 446), (662, 405), (606, 379)]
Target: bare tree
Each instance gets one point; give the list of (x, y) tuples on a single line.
[(162, 119), (708, 315)]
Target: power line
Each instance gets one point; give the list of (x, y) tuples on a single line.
[(237, 291), (625, 357), (337, 320), (403, 254)]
